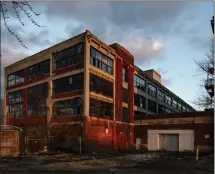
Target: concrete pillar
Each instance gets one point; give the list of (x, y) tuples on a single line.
[(86, 72)]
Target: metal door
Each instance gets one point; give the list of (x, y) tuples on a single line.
[(171, 142)]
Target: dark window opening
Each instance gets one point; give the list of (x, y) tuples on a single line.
[(39, 70), (140, 101), (15, 78), (69, 56), (161, 109), (16, 103), (168, 100), (101, 109), (138, 115), (101, 61), (139, 83), (160, 95), (101, 86), (152, 90), (125, 95), (124, 74), (37, 97), (68, 107), (67, 84), (152, 106), (125, 116)]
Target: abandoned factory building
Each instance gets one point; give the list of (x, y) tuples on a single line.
[(84, 88)]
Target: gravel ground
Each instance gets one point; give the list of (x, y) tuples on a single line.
[(147, 163)]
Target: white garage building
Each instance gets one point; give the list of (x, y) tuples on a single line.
[(171, 140)]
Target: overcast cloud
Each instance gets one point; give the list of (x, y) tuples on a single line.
[(156, 33)]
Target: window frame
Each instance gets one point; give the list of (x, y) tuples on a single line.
[(101, 61), (17, 103), (139, 83), (15, 78)]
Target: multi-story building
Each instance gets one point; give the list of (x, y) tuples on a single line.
[(84, 88)]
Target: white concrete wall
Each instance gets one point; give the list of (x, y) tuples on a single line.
[(186, 139)]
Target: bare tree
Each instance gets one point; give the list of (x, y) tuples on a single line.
[(18, 6), (205, 66)]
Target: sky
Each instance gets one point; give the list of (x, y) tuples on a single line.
[(164, 36)]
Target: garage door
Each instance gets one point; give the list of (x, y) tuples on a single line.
[(171, 142)]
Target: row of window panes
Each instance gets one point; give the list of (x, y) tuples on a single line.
[(15, 78), (139, 83), (101, 61)]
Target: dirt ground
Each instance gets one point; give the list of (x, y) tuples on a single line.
[(147, 163)]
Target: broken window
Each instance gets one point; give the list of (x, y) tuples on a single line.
[(15, 78), (152, 90), (140, 101), (37, 96), (67, 84), (125, 95), (139, 83), (68, 107), (152, 106), (101, 109), (101, 86), (101, 61), (69, 56), (125, 114), (16, 103), (39, 70)]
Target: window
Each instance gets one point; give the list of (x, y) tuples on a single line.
[(168, 100), (183, 109), (101, 86), (168, 110), (68, 107), (160, 95), (15, 103), (125, 95), (38, 70), (152, 106), (138, 115), (37, 96), (174, 103), (161, 109), (101, 109), (69, 56), (67, 84), (15, 78), (179, 106), (139, 83), (124, 74), (101, 61), (152, 90), (125, 114), (140, 101)]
